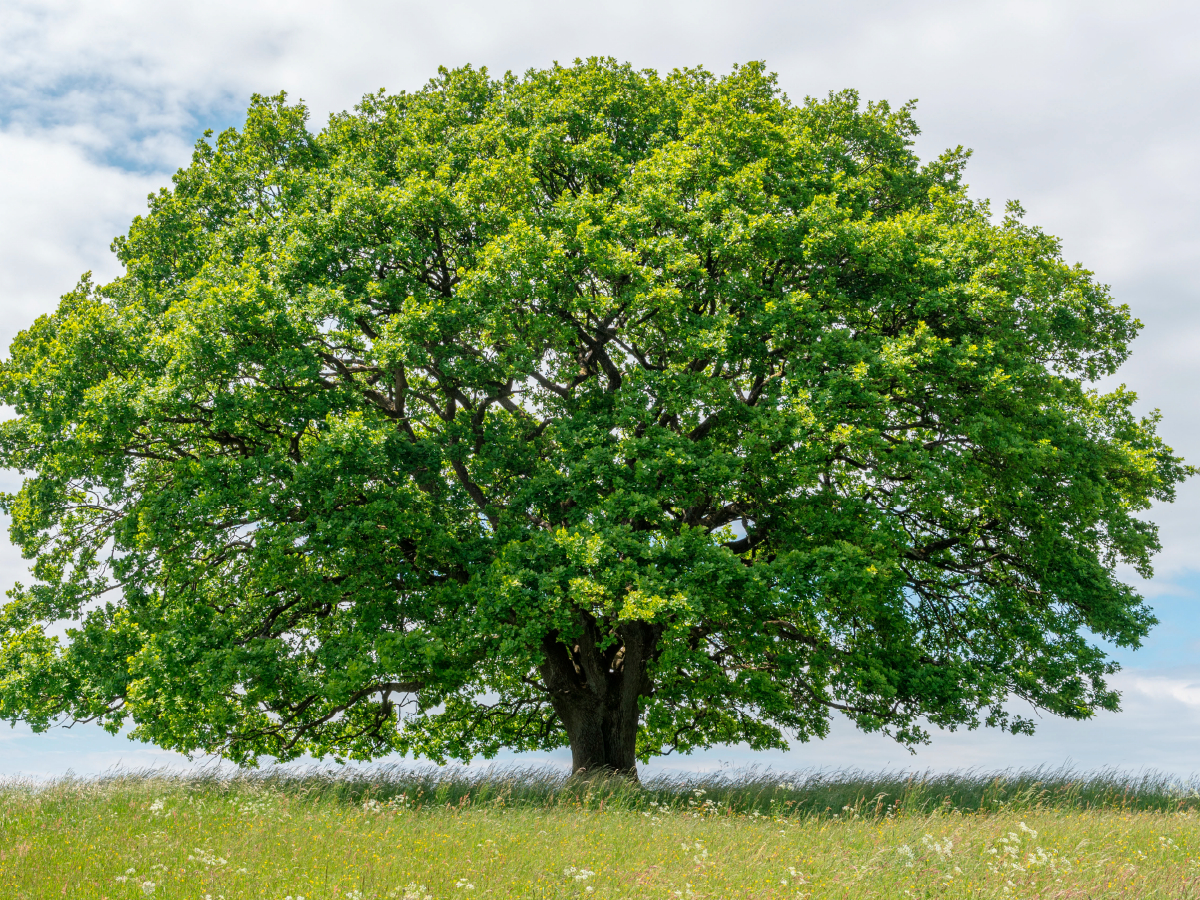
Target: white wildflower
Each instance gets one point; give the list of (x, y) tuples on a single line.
[(797, 875), (207, 857), (148, 887), (942, 848)]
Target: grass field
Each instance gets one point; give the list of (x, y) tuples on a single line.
[(532, 834)]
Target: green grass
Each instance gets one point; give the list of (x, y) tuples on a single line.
[(533, 834)]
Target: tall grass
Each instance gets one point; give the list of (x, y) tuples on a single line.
[(534, 834), (744, 792)]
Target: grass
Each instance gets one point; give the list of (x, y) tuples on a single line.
[(419, 834)]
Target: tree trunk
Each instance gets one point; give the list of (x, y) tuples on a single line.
[(596, 692)]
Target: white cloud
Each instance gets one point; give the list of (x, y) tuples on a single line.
[(1157, 729), (83, 750), (1159, 688), (61, 211)]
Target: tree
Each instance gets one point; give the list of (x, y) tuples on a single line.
[(589, 407)]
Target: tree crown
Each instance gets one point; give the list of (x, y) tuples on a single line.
[(521, 400)]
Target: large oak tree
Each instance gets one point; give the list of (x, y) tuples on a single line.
[(589, 407)]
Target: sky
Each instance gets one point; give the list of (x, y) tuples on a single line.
[(1085, 112)]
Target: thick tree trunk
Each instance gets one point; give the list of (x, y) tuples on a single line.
[(596, 692)]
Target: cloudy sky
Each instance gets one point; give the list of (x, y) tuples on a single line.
[(1084, 111)]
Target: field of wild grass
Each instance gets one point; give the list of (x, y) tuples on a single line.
[(435, 835)]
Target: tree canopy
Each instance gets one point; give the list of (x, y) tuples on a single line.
[(595, 407)]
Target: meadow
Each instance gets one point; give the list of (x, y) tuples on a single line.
[(439, 834)]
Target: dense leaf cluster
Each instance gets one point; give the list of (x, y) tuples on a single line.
[(510, 396)]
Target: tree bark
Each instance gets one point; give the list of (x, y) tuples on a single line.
[(596, 692)]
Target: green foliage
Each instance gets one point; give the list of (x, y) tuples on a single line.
[(505, 372)]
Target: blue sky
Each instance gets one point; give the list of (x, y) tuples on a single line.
[(1084, 111)]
